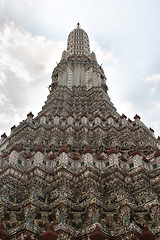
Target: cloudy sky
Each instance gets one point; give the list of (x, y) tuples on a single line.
[(124, 34)]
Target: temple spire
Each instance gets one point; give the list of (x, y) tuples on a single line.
[(78, 25), (80, 66), (78, 42)]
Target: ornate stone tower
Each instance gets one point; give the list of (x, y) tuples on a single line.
[(79, 170)]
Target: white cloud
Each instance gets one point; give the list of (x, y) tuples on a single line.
[(26, 63), (105, 57), (7, 113), (153, 78), (108, 55), (139, 64), (28, 57), (152, 91), (155, 105), (31, 3), (128, 108), (156, 125), (2, 2)]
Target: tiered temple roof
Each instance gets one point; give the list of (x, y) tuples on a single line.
[(79, 170)]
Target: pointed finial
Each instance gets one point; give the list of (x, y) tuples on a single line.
[(78, 25)]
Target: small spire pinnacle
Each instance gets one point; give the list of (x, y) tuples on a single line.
[(78, 42)]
